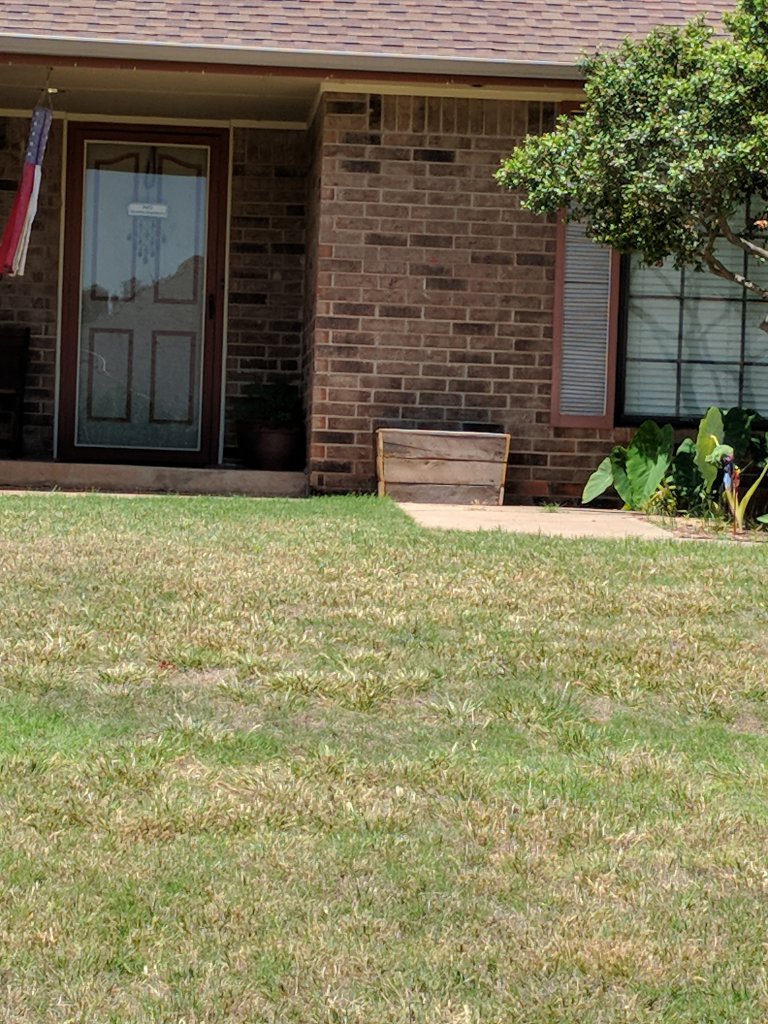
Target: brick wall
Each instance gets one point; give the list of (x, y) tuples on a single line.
[(266, 282), (435, 289), (31, 300)]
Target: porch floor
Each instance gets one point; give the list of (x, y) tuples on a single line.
[(72, 476)]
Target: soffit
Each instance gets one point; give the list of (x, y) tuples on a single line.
[(137, 93)]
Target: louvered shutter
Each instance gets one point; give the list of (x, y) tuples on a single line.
[(584, 363)]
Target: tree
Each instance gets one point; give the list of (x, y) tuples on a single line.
[(669, 157)]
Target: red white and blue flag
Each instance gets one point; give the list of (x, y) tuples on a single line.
[(15, 240)]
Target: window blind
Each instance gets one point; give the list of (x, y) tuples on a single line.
[(585, 328)]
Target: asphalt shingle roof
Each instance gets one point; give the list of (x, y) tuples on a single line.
[(536, 31)]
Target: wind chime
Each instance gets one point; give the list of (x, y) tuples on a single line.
[(15, 241), (148, 214)]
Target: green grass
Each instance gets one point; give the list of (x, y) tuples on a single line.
[(307, 762)]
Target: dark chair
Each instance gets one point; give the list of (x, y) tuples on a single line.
[(14, 349)]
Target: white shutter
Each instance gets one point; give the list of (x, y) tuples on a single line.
[(585, 364)]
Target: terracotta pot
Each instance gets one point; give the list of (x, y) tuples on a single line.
[(265, 447)]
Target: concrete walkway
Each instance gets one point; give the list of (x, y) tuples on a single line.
[(564, 522)]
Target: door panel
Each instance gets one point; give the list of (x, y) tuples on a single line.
[(141, 338)]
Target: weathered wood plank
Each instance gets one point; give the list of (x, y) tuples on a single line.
[(442, 466), (441, 471), (445, 494), (442, 444)]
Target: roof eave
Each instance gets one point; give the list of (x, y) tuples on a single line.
[(321, 60)]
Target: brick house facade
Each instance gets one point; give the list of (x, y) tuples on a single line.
[(370, 256), (435, 289)]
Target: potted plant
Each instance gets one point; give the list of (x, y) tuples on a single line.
[(270, 427)]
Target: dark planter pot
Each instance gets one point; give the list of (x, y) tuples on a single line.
[(265, 447)]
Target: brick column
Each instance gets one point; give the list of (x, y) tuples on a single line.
[(432, 287)]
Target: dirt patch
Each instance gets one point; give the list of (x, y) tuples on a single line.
[(600, 709), (750, 724), (199, 679), (683, 528)]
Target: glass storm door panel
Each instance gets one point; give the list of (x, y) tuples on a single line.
[(141, 341)]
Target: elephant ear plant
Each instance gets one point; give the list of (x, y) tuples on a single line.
[(646, 474), (635, 471), (708, 439)]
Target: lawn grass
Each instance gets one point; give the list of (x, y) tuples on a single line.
[(267, 761)]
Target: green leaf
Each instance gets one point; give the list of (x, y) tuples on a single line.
[(710, 435), (621, 482), (741, 511), (599, 482), (738, 432), (648, 459)]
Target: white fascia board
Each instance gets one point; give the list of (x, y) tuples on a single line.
[(123, 49)]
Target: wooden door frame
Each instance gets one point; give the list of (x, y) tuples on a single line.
[(217, 140)]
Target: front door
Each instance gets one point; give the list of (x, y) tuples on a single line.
[(143, 295)]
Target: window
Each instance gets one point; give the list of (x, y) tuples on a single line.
[(688, 339), (692, 340)]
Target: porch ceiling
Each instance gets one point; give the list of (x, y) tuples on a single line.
[(134, 92)]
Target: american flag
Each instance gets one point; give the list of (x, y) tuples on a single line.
[(15, 241)]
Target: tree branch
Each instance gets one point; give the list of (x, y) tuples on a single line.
[(720, 270), (716, 267), (743, 243)]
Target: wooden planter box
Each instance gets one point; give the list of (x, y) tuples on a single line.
[(442, 466)]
